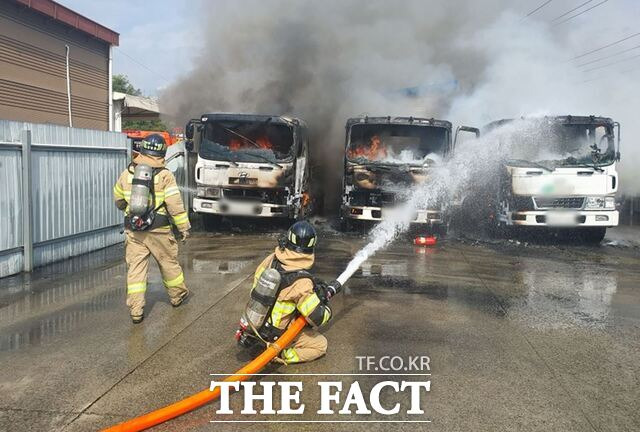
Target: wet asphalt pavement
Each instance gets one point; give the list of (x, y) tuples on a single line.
[(519, 337)]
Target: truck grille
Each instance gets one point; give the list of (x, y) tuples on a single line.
[(567, 203), (521, 203), (270, 196), (371, 198)]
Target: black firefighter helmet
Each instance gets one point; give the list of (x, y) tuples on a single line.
[(301, 237), (153, 145)]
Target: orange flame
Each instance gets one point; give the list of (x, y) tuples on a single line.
[(374, 151), (264, 143), (236, 144)]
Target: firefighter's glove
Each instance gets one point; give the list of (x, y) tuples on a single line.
[(326, 290), (184, 235), (282, 242)]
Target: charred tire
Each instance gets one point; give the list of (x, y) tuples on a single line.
[(211, 222), (497, 230), (345, 224), (593, 235)]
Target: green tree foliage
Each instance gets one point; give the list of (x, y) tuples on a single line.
[(121, 83), (150, 125)]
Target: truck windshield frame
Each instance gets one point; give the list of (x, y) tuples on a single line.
[(248, 141), (396, 144), (558, 145)]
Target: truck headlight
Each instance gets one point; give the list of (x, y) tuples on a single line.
[(600, 203), (208, 192)]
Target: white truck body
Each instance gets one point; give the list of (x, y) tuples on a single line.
[(565, 197), (572, 182)]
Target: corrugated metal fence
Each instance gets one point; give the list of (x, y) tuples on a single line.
[(55, 192)]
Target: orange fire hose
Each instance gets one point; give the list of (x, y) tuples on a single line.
[(197, 400)]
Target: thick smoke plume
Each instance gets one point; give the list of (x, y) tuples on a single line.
[(465, 61)]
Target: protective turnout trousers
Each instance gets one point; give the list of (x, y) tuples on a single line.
[(164, 248), (309, 345)]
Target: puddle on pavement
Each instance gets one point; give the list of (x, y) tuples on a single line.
[(219, 266), (558, 295), (384, 268), (45, 328), (38, 297), (545, 293), (43, 307)]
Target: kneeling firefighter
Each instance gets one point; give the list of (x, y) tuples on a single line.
[(148, 194), (283, 288)]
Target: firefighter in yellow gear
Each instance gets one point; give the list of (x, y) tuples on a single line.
[(298, 294), (148, 232)]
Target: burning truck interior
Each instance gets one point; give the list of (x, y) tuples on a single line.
[(397, 144), (247, 141), (384, 157), (248, 165)]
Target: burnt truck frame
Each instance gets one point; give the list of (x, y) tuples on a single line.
[(529, 194), (364, 199), (250, 180)]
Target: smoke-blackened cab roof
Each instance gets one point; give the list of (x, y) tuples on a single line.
[(417, 121), (258, 118)]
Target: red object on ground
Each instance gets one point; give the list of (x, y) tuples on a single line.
[(425, 241)]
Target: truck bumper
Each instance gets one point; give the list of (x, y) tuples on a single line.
[(581, 218), (431, 217), (241, 208)]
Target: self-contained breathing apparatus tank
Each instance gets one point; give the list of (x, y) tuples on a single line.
[(141, 202), (263, 296)]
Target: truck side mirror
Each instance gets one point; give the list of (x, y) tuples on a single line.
[(188, 130), (469, 129), (616, 124)]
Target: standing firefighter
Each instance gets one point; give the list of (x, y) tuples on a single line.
[(148, 194), (282, 289)]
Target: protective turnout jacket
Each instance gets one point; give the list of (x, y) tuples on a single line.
[(299, 296), (168, 201)]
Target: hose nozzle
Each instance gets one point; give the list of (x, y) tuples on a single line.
[(333, 288)]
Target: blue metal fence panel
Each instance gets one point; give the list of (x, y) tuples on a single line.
[(73, 171), (10, 198), (10, 210), (74, 193)]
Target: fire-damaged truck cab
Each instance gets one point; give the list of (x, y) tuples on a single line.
[(561, 174), (250, 165), (384, 157)]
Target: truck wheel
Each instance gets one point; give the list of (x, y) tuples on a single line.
[(211, 222), (593, 235), (442, 230), (345, 225), (496, 230)]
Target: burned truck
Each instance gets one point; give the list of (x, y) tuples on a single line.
[(559, 173), (384, 157), (249, 166)]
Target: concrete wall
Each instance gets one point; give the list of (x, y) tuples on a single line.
[(33, 83)]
